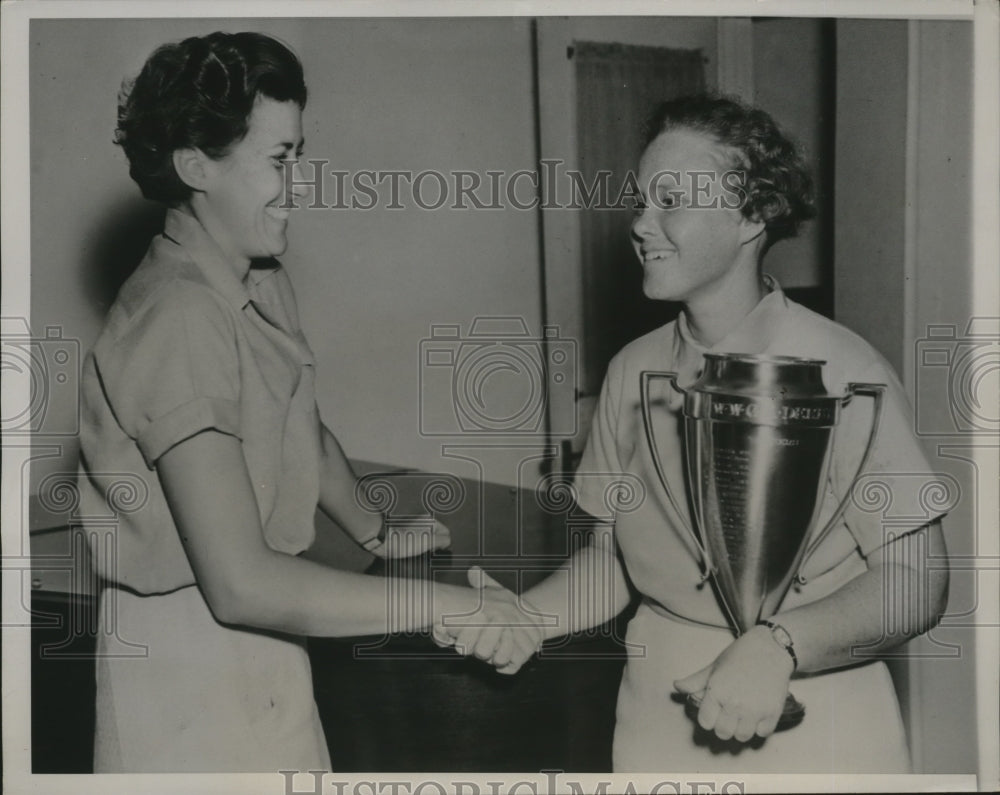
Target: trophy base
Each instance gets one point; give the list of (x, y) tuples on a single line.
[(791, 715)]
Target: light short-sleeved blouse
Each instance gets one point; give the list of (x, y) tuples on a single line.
[(662, 559), (187, 347)]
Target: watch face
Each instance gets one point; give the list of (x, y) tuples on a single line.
[(781, 635)]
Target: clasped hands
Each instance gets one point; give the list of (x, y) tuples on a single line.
[(743, 690), (504, 631), (500, 631)]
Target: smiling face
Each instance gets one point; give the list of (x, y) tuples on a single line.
[(243, 201), (690, 236)]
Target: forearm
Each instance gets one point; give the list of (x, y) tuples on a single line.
[(337, 498), (743, 691), (331, 602), (587, 591), (889, 604), (245, 581)]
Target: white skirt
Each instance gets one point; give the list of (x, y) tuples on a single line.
[(852, 722), (179, 692)]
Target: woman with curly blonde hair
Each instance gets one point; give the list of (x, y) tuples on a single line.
[(720, 185)]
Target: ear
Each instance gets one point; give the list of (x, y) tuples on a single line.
[(752, 230), (193, 167)]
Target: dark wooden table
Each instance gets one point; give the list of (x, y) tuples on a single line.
[(402, 704)]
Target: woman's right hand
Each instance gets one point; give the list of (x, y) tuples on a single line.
[(504, 630)]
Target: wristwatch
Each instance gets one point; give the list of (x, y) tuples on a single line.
[(781, 636)]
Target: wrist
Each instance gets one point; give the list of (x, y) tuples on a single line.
[(373, 534), (780, 638), (549, 630), (452, 602)]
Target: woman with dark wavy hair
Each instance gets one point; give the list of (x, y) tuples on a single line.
[(721, 184), (202, 383)]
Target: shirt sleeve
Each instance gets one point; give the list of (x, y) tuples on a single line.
[(897, 491), (174, 371), (600, 465)]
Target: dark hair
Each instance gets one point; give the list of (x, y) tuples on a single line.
[(777, 185), (200, 93)]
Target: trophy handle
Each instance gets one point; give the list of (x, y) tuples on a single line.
[(645, 379), (877, 391)]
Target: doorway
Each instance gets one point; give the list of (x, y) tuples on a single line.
[(614, 76)]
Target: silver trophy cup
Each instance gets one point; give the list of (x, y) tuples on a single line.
[(758, 439)]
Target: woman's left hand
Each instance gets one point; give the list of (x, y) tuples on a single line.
[(743, 691), (410, 540)]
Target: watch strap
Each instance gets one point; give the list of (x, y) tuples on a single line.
[(783, 638)]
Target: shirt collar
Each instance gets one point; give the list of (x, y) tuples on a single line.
[(753, 334), (186, 231)]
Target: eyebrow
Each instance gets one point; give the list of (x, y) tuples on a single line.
[(289, 145)]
